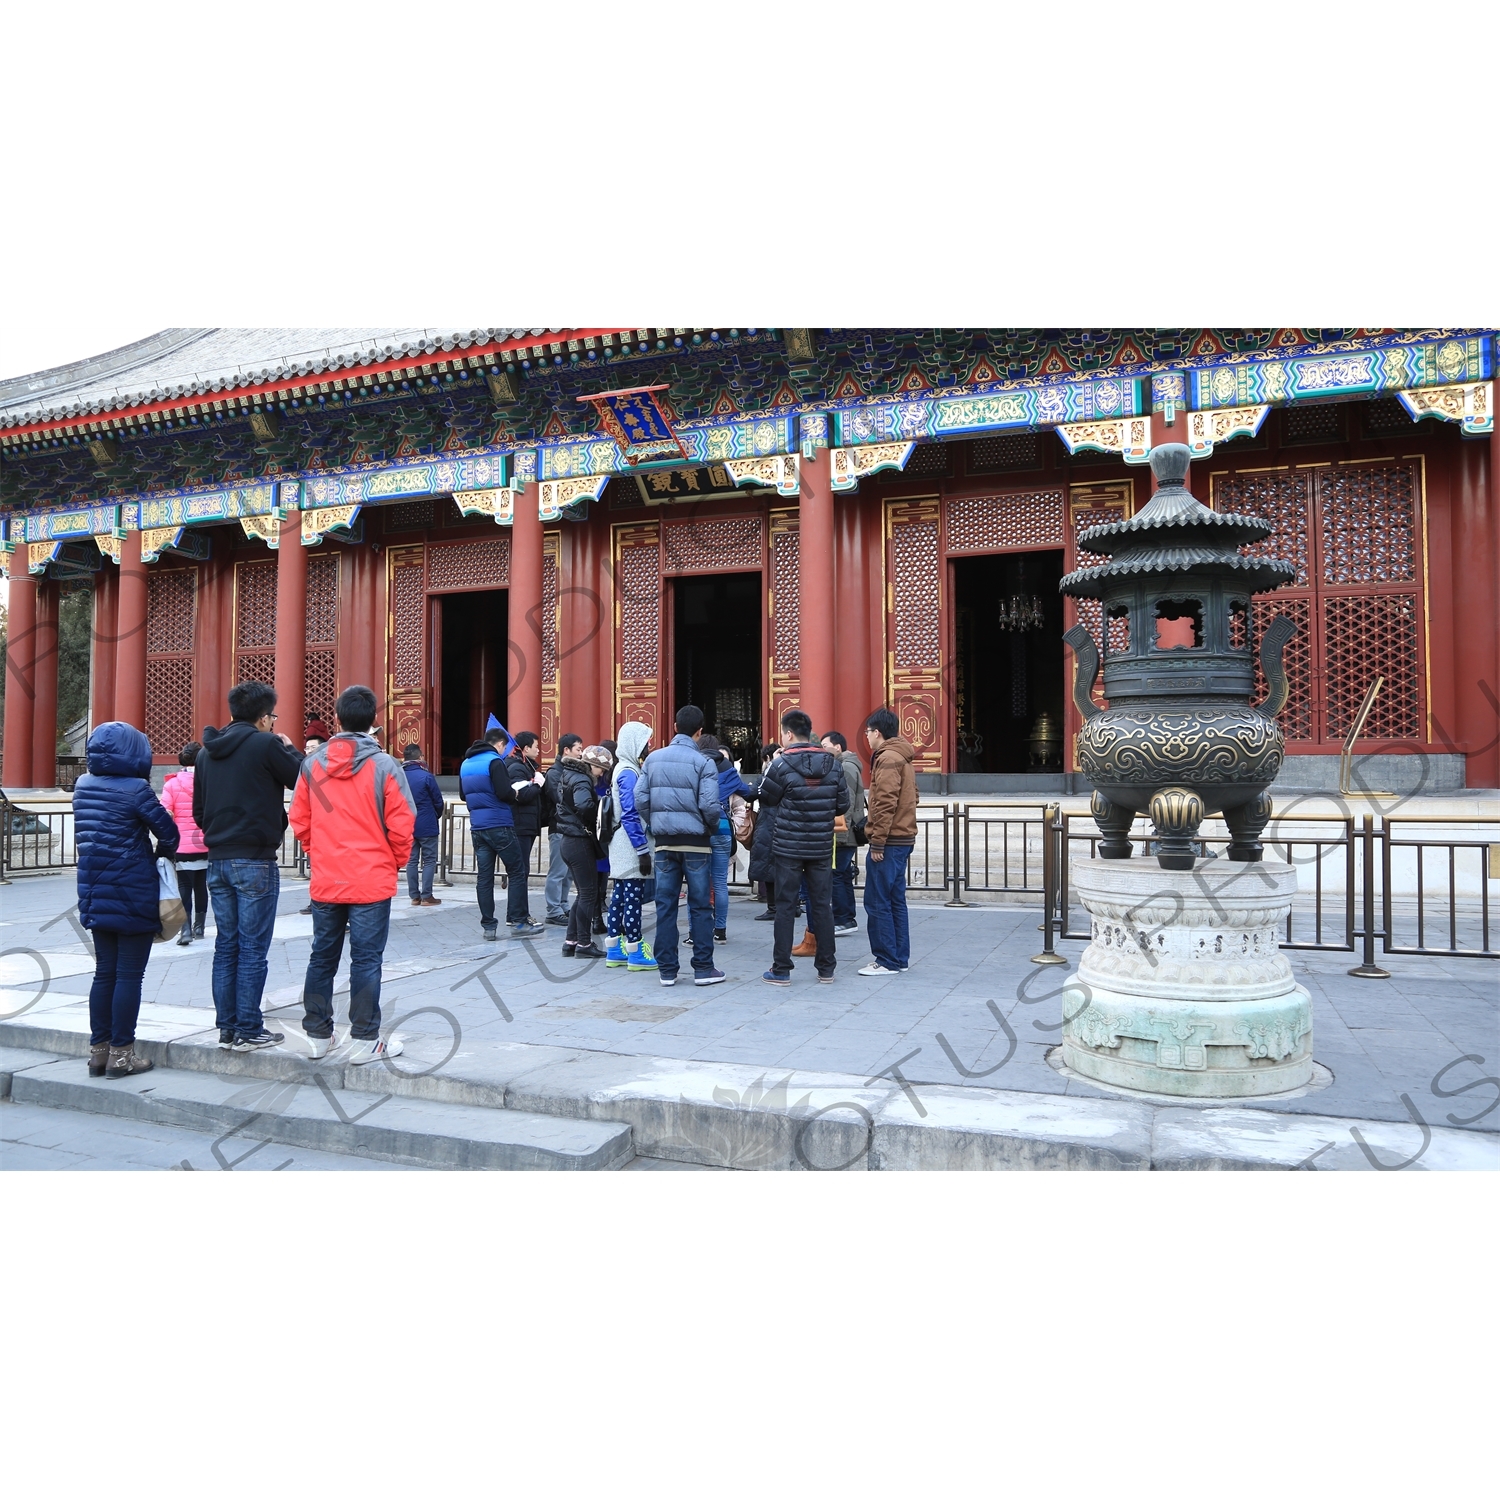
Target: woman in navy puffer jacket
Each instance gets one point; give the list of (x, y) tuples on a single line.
[(114, 813)]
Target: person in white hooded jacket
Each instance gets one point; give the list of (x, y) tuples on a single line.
[(629, 855)]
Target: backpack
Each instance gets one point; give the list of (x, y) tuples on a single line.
[(605, 822)]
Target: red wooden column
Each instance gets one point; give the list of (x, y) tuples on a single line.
[(130, 646), (20, 662), (291, 628), (523, 698), (44, 678), (815, 603), (858, 528), (102, 647)]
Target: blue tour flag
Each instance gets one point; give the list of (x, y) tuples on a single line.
[(494, 723)]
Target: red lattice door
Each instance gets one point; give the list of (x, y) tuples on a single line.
[(255, 621), (320, 672), (1091, 505), (171, 620), (636, 559), (1354, 534), (406, 627), (550, 727), (914, 615)]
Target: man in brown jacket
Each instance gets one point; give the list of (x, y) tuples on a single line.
[(891, 827)]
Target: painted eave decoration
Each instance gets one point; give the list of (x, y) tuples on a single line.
[(635, 420)]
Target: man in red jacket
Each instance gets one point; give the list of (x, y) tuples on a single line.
[(354, 814)]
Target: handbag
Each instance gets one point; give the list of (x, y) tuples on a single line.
[(741, 819), (858, 827), (169, 901)]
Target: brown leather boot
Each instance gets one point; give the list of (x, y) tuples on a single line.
[(98, 1059), (123, 1063), (808, 947)]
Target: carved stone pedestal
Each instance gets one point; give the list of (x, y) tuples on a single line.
[(1183, 989)]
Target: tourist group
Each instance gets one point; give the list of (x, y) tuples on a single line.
[(628, 827)]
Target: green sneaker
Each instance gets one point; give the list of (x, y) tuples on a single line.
[(640, 958)]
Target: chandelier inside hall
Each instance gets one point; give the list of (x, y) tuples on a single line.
[(1022, 612)]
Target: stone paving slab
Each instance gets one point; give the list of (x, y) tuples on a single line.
[(972, 1014)]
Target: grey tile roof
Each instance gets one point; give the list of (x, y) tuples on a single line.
[(193, 361)]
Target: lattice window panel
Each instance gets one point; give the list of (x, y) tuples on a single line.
[(928, 461), (255, 666), (255, 605), (992, 523), (705, 546), (1368, 524), (915, 594), (170, 597), (322, 600), (1296, 719), (1312, 424), (1368, 636), (1283, 498), (409, 607), (319, 685), (549, 611), (409, 515), (623, 492), (1386, 418), (638, 588), (1087, 516), (169, 703), (470, 565), (786, 601), (1011, 450)]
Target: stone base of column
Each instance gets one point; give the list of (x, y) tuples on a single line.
[(1183, 989)]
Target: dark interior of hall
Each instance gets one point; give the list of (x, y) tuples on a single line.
[(717, 657), (1004, 679), (475, 670)]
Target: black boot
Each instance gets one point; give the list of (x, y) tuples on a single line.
[(198, 927)]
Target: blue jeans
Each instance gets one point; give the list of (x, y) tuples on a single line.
[(244, 893), (843, 885), (502, 844), (885, 907), (722, 845), (368, 924), (671, 867), (115, 996), (422, 866)]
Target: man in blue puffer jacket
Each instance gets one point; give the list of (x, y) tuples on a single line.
[(484, 783), (677, 797), (119, 893)]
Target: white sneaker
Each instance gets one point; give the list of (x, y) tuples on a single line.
[(321, 1046), (375, 1051), (878, 969), (841, 931)]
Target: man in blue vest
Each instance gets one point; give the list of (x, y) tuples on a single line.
[(484, 783)]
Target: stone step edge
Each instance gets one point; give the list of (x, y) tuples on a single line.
[(420, 1133), (750, 1117)]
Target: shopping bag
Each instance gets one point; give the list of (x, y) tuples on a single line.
[(169, 902)]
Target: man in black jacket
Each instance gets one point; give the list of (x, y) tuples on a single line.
[(531, 812), (806, 786), (238, 802)]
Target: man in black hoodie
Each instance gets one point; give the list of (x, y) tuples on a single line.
[(238, 802), (806, 786)]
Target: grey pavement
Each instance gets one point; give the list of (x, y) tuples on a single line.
[(972, 1012)]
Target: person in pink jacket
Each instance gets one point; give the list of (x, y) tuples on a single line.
[(192, 853)]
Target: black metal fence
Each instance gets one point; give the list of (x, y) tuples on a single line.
[(1414, 884)]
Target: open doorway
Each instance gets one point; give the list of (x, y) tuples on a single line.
[(717, 655), (475, 669), (1008, 663)]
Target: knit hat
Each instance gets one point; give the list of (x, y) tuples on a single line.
[(316, 730), (597, 755)]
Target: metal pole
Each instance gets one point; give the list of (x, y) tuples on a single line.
[(1051, 859), (958, 850), (1369, 969)]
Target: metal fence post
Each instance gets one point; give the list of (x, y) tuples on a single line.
[(1051, 861), (957, 850), (1369, 969)]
